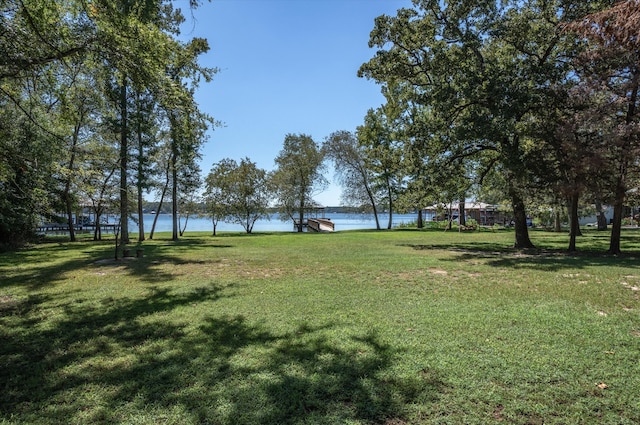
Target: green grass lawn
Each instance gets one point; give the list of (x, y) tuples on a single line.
[(395, 327)]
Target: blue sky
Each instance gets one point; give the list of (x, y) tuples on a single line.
[(286, 66)]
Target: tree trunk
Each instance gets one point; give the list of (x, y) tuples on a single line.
[(186, 221), (574, 228), (174, 203), (124, 156), (67, 185), (420, 220), (174, 185), (462, 220), (140, 175), (371, 199), (620, 190), (375, 215), (602, 219), (69, 208), (556, 220), (389, 195), (162, 195), (520, 221), (618, 211), (96, 230), (300, 215)]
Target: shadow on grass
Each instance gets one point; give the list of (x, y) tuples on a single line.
[(124, 361), (540, 259), (40, 266)]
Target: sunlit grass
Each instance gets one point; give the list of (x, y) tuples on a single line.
[(357, 327)]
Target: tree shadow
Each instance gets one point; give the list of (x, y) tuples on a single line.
[(68, 257), (538, 259), (36, 351), (110, 363)]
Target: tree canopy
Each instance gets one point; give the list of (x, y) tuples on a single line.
[(298, 176)]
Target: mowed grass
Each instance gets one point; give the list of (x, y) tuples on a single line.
[(394, 327)]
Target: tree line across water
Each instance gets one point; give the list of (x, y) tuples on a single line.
[(530, 102)]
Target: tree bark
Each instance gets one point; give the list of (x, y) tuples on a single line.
[(67, 184), (621, 187), (174, 180), (300, 213), (162, 195), (420, 219), (602, 219), (575, 225), (520, 221), (124, 156), (389, 194), (618, 210), (462, 220), (140, 174), (557, 226), (174, 200)]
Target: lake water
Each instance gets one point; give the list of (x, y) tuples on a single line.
[(342, 221)]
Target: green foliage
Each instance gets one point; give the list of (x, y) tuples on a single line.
[(352, 170), (237, 193), (471, 78), (299, 174), (77, 74)]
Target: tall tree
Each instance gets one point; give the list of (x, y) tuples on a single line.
[(133, 40), (615, 50), (238, 192), (482, 69), (298, 176), (145, 121), (78, 110), (218, 191), (352, 171), (187, 124), (381, 139)]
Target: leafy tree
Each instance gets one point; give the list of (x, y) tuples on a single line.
[(26, 170), (481, 69), (350, 163), (615, 54), (237, 193), (298, 176), (217, 191), (381, 139), (133, 40), (96, 184), (162, 167), (77, 113), (249, 194), (187, 124), (145, 121)]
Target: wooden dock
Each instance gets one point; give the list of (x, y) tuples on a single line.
[(321, 225), (62, 227), (316, 224)]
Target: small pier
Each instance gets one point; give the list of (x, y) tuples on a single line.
[(320, 225), (315, 224), (62, 227)]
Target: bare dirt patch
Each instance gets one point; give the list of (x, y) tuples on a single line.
[(8, 303)]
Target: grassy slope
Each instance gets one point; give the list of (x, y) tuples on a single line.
[(354, 327)]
